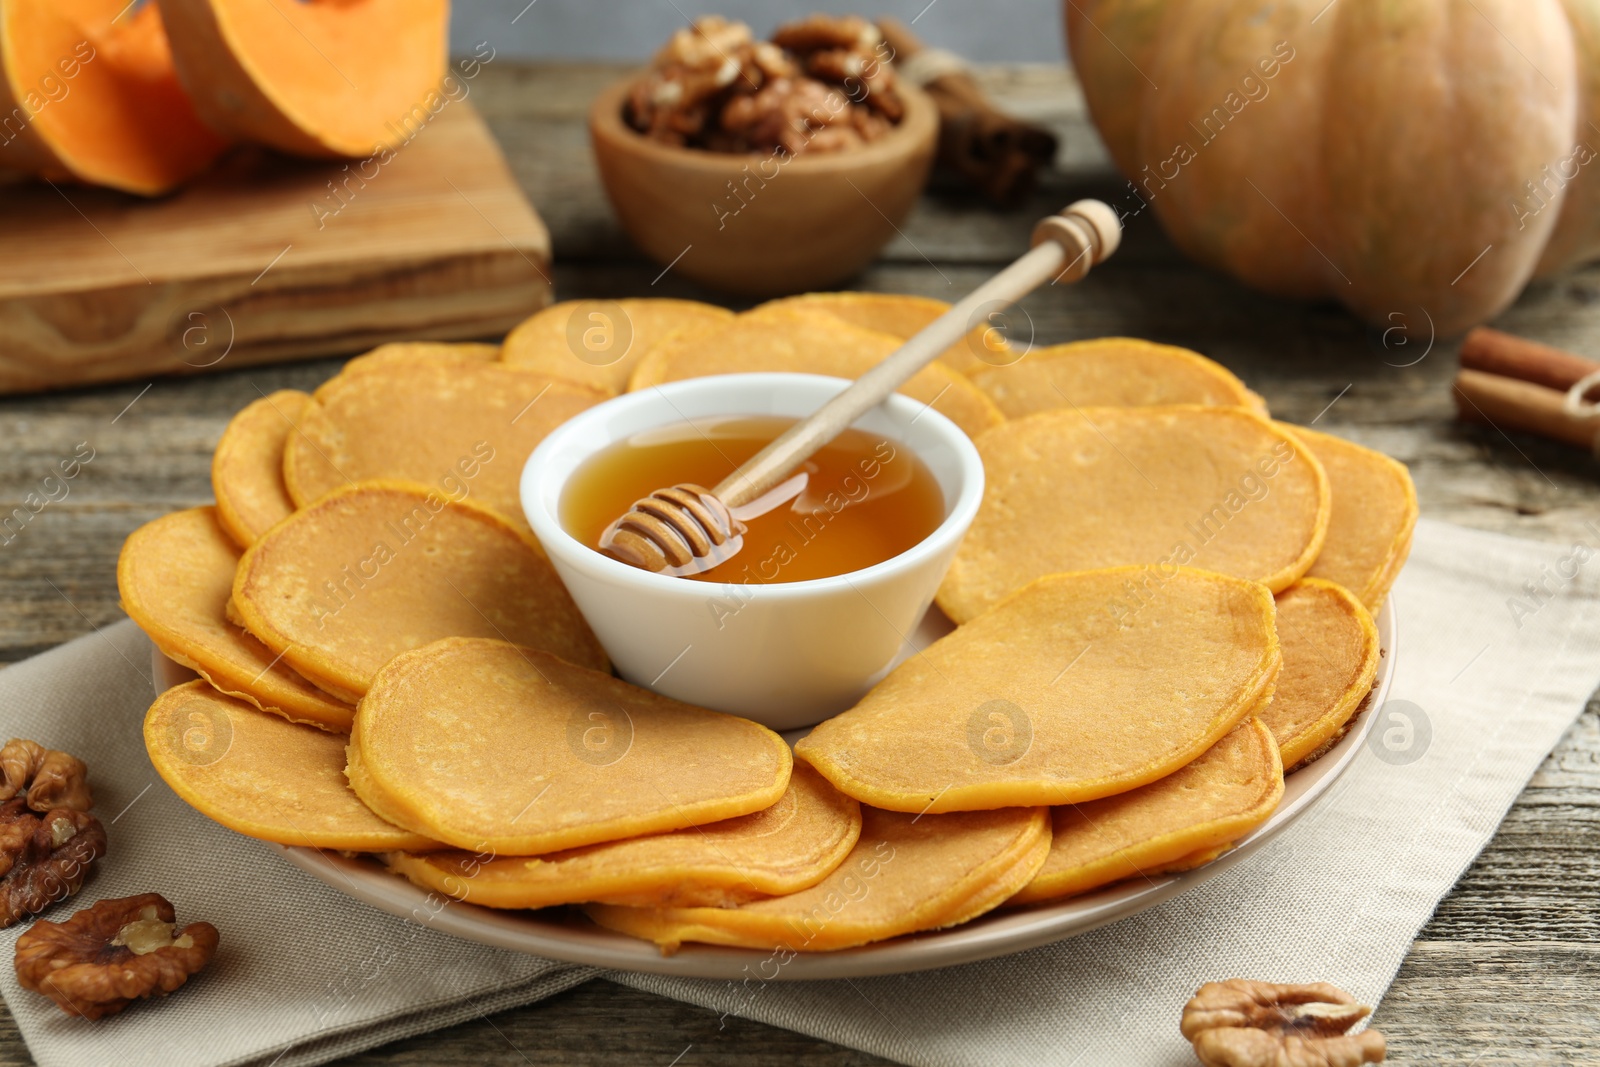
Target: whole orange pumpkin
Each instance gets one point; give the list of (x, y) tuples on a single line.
[(1395, 156)]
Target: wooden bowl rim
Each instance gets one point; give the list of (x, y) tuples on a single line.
[(917, 130)]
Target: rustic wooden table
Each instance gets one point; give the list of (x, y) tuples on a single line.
[(1506, 970)]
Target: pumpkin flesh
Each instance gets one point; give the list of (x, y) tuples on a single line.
[(329, 78), (91, 96)]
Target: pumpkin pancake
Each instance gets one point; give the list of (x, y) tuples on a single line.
[(901, 315), (782, 849), (1374, 514), (1171, 824), (1111, 372), (809, 342), (1193, 860), (1078, 687), (376, 569), (459, 424), (496, 748), (247, 467), (262, 776), (1330, 657), (473, 350), (1077, 489), (610, 344), (174, 576), (907, 873)]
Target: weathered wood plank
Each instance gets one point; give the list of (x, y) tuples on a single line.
[(1460, 1005)]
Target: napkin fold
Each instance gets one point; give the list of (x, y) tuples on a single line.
[(1493, 666)]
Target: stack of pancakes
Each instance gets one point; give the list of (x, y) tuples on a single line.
[(1164, 604)]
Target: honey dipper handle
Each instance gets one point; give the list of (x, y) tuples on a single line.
[(1065, 246)]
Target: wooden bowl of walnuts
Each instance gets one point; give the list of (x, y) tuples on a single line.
[(765, 168)]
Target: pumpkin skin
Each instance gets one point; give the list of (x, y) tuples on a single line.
[(1394, 160)]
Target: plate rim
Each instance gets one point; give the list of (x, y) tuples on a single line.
[(999, 933)]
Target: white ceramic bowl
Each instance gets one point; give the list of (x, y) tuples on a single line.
[(787, 654)]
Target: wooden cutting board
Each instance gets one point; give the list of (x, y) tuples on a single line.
[(268, 259)]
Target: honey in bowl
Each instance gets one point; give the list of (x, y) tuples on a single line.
[(867, 498)]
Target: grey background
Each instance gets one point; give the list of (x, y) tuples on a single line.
[(985, 31)]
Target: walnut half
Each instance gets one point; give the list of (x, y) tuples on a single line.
[(49, 779), (1240, 1023), (43, 858), (109, 955)]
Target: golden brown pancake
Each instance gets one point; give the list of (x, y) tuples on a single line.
[(495, 748), (1193, 860), (458, 424), (473, 350), (809, 342), (262, 776), (379, 568), (175, 575), (597, 343), (1111, 372), (1218, 488), (901, 315), (1080, 686), (247, 467), (1172, 824), (1374, 514), (906, 873), (1330, 657), (782, 849)]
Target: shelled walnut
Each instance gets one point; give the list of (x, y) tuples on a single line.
[(111, 954), (823, 84), (1240, 1023), (49, 779), (48, 839), (840, 50), (44, 858)]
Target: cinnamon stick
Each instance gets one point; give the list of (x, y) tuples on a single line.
[(1526, 406), (1510, 356), (999, 155)]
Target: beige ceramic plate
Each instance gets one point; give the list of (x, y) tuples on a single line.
[(555, 934)]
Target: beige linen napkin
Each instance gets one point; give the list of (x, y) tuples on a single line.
[(1489, 676)]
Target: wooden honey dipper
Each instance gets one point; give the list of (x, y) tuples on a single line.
[(687, 528)]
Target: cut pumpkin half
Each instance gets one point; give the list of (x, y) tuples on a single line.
[(325, 78), (89, 93)]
